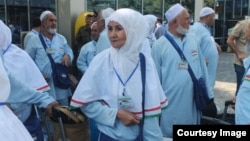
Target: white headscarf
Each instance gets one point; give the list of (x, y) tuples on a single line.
[(107, 12), (135, 27), (4, 83), (19, 63), (123, 60), (151, 19)]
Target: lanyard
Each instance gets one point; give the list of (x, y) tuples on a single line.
[(4, 51), (120, 79)]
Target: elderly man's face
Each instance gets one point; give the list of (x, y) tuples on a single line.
[(50, 23), (183, 22), (211, 19), (94, 32)]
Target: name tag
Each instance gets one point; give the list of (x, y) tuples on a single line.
[(125, 102), (49, 51), (183, 65)]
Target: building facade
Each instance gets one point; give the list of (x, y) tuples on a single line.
[(18, 14)]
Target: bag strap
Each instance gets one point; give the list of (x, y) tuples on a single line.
[(64, 110), (143, 77), (45, 47), (177, 48)]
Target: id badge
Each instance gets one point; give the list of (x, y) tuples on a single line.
[(49, 51), (125, 102), (183, 65)]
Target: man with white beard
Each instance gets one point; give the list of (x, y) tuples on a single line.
[(59, 50), (173, 71)]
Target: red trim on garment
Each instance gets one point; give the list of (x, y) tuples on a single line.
[(77, 102), (149, 110), (164, 101), (43, 87)]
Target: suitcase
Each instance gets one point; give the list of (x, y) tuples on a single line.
[(225, 118), (229, 116), (69, 125)]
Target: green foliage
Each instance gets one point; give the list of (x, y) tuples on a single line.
[(150, 6), (133, 4), (209, 3)]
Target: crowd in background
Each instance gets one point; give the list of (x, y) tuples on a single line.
[(132, 82)]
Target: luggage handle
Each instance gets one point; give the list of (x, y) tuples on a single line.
[(64, 110)]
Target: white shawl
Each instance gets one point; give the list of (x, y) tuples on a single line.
[(4, 83), (100, 81), (19, 63)]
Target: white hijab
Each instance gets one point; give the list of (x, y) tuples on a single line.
[(4, 80), (19, 63), (4, 83), (100, 81), (151, 19), (136, 31)]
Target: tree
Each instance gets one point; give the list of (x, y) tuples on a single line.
[(209, 3)]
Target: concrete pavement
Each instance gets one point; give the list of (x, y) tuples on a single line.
[(225, 85)]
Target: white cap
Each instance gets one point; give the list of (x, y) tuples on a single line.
[(206, 11), (44, 14), (107, 12), (94, 23), (173, 11)]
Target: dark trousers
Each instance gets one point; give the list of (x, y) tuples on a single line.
[(239, 70), (33, 125), (94, 132), (104, 137)]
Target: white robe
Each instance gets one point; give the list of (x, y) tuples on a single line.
[(12, 128), (177, 83)]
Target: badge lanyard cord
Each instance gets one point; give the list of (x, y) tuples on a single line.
[(120, 79), (143, 78)]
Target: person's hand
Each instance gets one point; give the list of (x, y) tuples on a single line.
[(66, 60), (218, 48), (127, 118), (50, 106)]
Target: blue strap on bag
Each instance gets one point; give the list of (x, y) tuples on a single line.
[(143, 78), (104, 137), (60, 72), (200, 90)]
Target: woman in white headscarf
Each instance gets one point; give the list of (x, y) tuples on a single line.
[(17, 60), (151, 19), (110, 92), (11, 127)]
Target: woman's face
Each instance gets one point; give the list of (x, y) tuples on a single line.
[(116, 34)]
